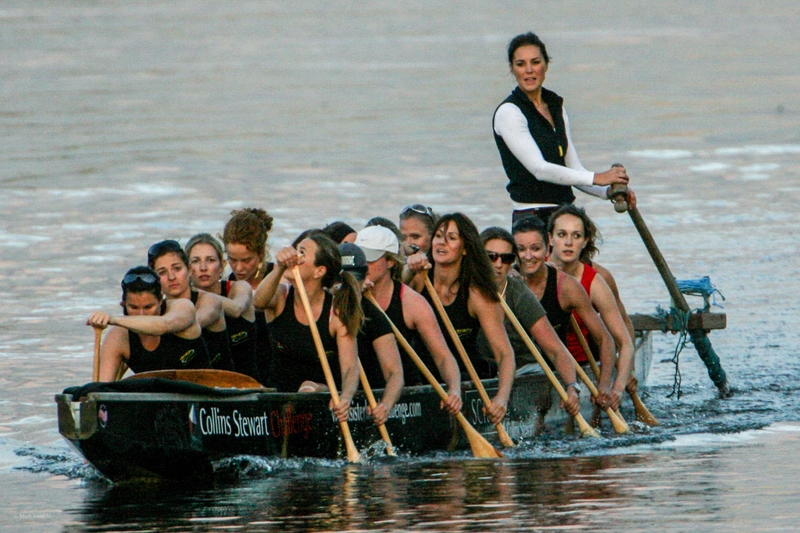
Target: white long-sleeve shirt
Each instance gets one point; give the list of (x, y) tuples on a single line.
[(512, 126)]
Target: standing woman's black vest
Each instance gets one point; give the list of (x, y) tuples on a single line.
[(218, 343), (523, 186), (242, 334)]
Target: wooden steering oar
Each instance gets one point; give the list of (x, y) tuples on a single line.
[(643, 414), (698, 336), (479, 445), (352, 452), (586, 429), (98, 334), (372, 403), (505, 439)]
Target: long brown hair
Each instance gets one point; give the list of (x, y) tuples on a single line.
[(590, 231), (476, 270), (347, 298)]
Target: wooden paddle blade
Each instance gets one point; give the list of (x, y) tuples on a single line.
[(222, 379), (619, 424), (480, 446), (586, 429), (385, 436), (643, 414), (505, 439), (352, 452)]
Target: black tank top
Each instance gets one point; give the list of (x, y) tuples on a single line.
[(411, 374), (218, 344), (242, 336), (555, 314), (172, 353), (296, 358), (375, 326), (467, 328)]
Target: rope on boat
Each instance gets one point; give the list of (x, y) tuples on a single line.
[(680, 320)]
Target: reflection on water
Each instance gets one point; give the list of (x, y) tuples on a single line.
[(706, 482)]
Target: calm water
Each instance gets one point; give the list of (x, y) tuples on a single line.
[(123, 123)]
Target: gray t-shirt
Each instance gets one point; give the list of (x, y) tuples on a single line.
[(528, 310)]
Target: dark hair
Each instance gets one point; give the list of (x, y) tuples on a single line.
[(476, 270), (250, 227), (526, 39), (347, 298), (590, 231), (137, 280), (162, 248), (303, 236), (528, 224), (500, 234), (337, 231), (204, 238), (422, 213)]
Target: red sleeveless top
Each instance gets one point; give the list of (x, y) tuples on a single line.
[(573, 344)]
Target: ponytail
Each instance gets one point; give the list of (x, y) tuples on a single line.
[(347, 303)]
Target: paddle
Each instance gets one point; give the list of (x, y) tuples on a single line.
[(123, 367), (352, 452), (698, 336), (505, 440), (479, 445), (643, 414), (372, 403), (98, 333), (586, 429), (208, 377)]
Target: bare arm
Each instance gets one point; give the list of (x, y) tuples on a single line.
[(389, 359), (547, 338), (114, 351), (490, 315), (210, 312), (348, 363), (239, 302), (179, 319), (612, 284), (267, 296)]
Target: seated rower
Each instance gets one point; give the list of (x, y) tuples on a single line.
[(153, 333), (572, 238), (500, 248), (206, 265), (463, 279), (560, 294), (338, 317), (377, 348), (169, 260), (417, 223), (409, 311)]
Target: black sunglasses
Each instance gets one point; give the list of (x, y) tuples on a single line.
[(161, 248), (506, 258), (418, 208), (145, 277)]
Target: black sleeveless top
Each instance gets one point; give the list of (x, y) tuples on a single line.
[(467, 328), (558, 318), (263, 342), (296, 358), (242, 336), (172, 353), (411, 374), (218, 344), (375, 326)]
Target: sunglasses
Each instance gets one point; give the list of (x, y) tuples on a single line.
[(145, 277), (506, 258), (161, 248), (418, 208)]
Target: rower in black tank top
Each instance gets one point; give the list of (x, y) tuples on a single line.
[(263, 342), (218, 343), (375, 326), (411, 374), (295, 354), (172, 353), (467, 328), (558, 318), (242, 336)]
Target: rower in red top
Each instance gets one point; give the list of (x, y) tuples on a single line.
[(572, 237)]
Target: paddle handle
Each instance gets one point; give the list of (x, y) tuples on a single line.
[(643, 414), (619, 424), (479, 445), (98, 334), (505, 439), (352, 452), (372, 403), (586, 429)]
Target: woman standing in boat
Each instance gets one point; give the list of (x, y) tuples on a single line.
[(531, 130), (153, 333), (206, 265), (463, 280), (338, 317), (572, 237), (169, 261), (245, 239), (560, 294)]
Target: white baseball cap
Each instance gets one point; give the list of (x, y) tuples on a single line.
[(376, 241)]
